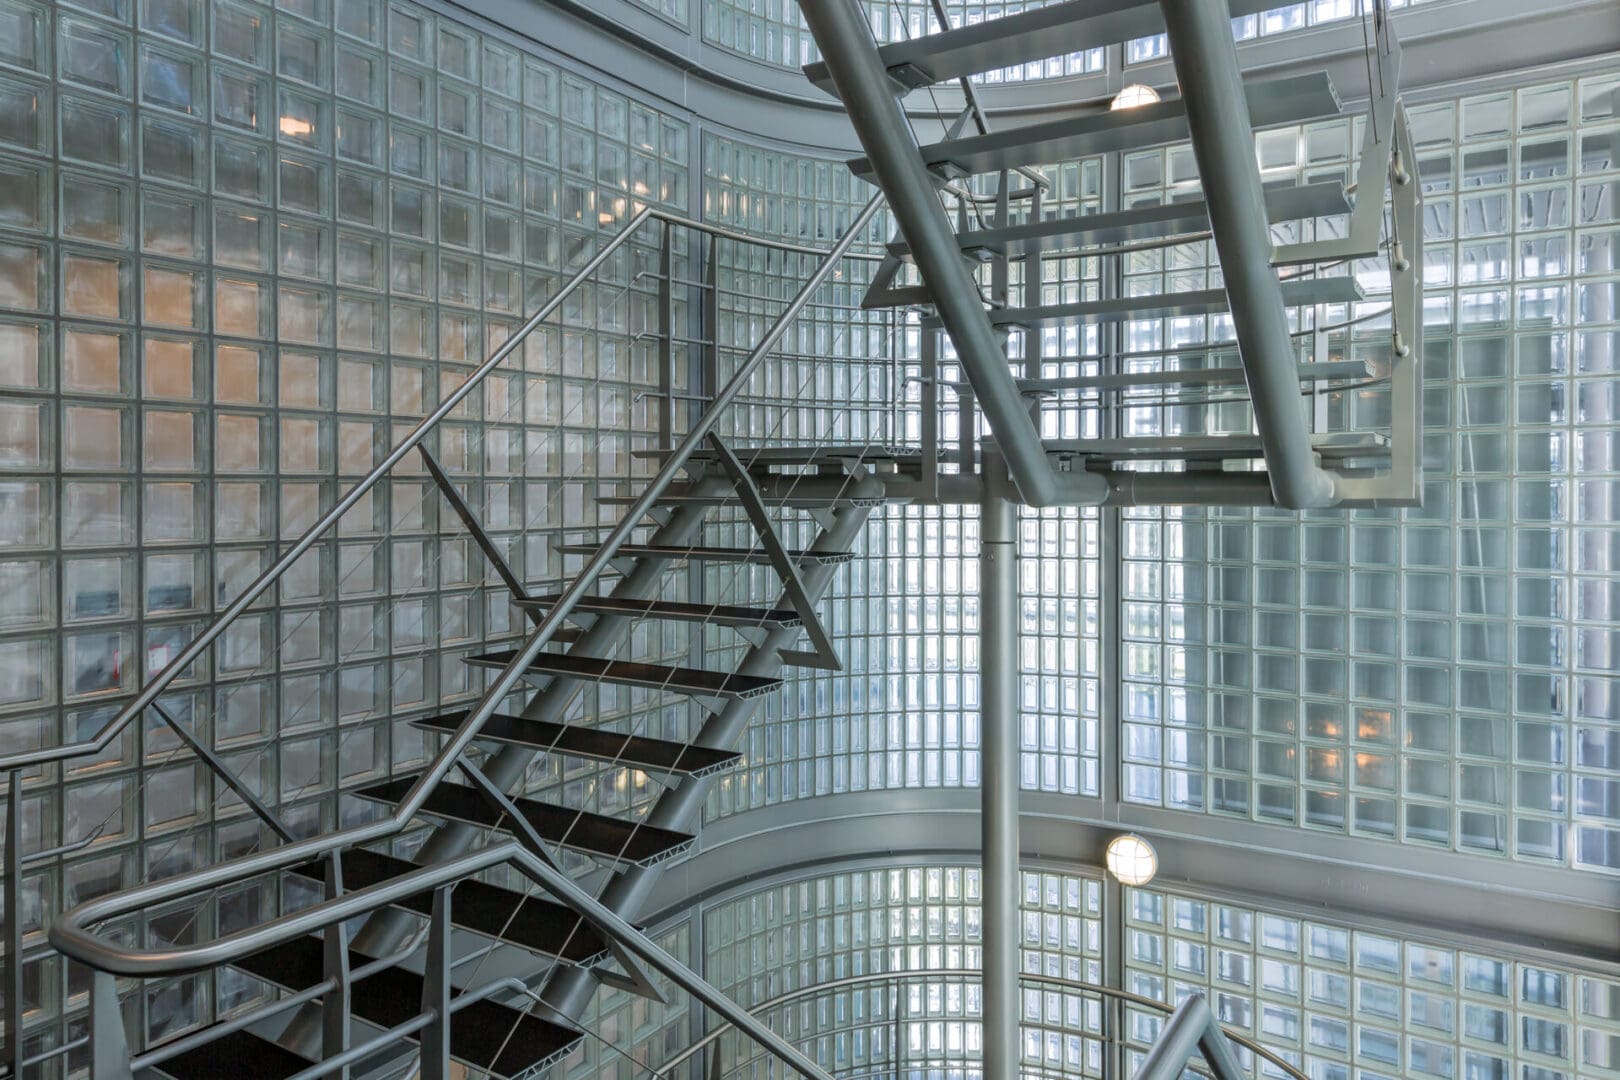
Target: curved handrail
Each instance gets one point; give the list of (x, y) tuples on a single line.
[(71, 934), (160, 682), (848, 981), (69, 930)]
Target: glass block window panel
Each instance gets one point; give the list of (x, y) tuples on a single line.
[(1435, 676)]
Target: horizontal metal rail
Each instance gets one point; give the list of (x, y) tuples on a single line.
[(1048, 981)]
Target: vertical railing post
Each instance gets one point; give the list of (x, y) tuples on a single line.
[(666, 340), (335, 1005), (13, 926), (711, 324), (436, 990), (109, 1049), (928, 355)]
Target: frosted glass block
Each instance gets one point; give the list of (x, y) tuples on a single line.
[(302, 120), (94, 437), (359, 137), (171, 297), (302, 185), (94, 362), (304, 316), (458, 166), (94, 132), (172, 225), (24, 435), (171, 151), (25, 197), (360, 76), (360, 324), (410, 211), (24, 276), (240, 33), (170, 368), (360, 199), (24, 353), (96, 210), (241, 100), (94, 287), (241, 307), (304, 250), (170, 441), (171, 80), (359, 18), (241, 170), (22, 107), (97, 513), (93, 55), (301, 54)]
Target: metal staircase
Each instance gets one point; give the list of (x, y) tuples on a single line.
[(957, 271), (384, 965)]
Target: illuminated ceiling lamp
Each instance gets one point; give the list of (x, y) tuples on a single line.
[(1132, 859), (1134, 96)]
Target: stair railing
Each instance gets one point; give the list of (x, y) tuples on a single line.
[(1191, 1029), (70, 934)]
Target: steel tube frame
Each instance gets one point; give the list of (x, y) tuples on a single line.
[(1192, 1030), (1205, 57), (869, 97), (998, 771)]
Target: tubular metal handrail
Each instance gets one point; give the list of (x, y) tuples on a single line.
[(1125, 997)]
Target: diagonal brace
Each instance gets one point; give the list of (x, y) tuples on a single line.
[(503, 569), (823, 655)]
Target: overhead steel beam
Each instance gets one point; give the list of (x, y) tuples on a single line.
[(1200, 36), (856, 70)]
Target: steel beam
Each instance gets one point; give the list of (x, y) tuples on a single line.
[(1200, 35), (998, 771), (858, 73)]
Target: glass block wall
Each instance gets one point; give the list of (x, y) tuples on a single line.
[(1442, 676), (1339, 1001), (773, 941)]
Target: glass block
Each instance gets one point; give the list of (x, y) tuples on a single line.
[(95, 133), (359, 137), (240, 34), (241, 307), (95, 287), (360, 19), (25, 433), (24, 276), (95, 361), (302, 185), (172, 225), (241, 100), (24, 30), (171, 368), (22, 109), (171, 80), (410, 34), (25, 355), (25, 196), (172, 296), (96, 210), (95, 437), (360, 199), (94, 55), (242, 169)]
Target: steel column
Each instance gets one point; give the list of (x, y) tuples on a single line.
[(864, 85), (1200, 36), (998, 770)]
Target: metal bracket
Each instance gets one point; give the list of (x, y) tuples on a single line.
[(712, 705), (503, 804), (502, 569), (824, 655), (636, 979)]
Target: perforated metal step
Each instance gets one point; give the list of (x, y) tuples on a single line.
[(710, 554), (536, 924), (241, 1055), (678, 680), (1294, 99), (631, 751), (717, 614), (484, 1035), (594, 834)]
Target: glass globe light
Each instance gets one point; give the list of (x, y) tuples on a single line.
[(1132, 859), (1133, 96)]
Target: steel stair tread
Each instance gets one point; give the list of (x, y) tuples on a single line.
[(699, 681), (1022, 38), (485, 1034), (1337, 447), (630, 751), (791, 502), (1292, 99), (709, 554), (1284, 202), (678, 611), (1311, 291), (796, 455), (594, 834), (240, 1054), (533, 922)]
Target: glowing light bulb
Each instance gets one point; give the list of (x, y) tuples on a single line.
[(1132, 859)]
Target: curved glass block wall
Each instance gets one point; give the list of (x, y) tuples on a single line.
[(1442, 676)]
